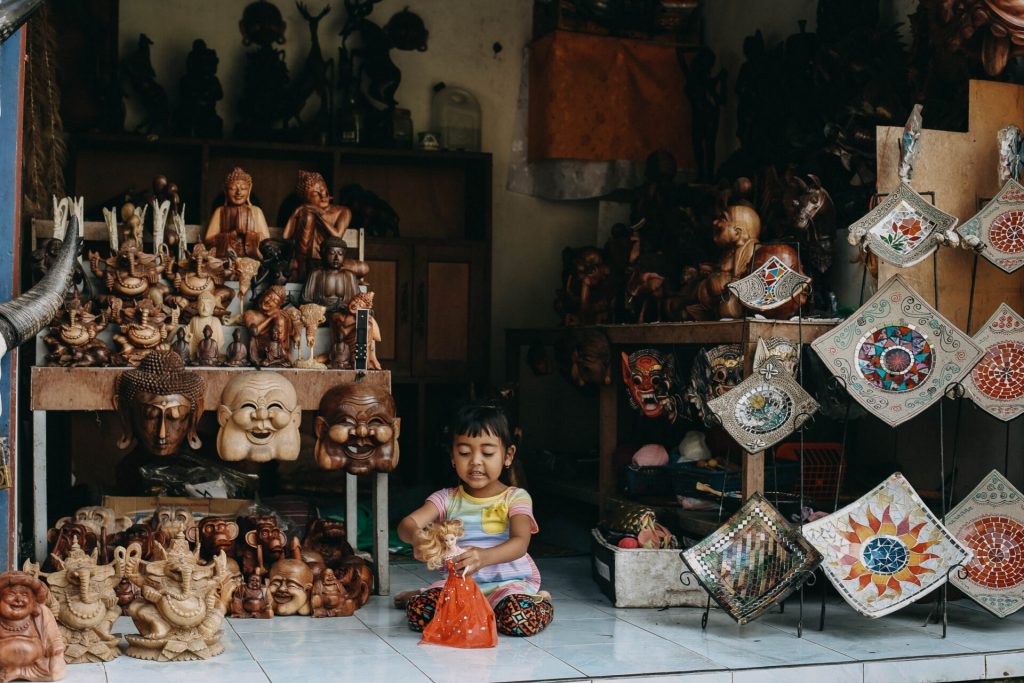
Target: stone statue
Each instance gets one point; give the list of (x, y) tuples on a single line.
[(313, 222), (31, 647), (239, 226), (178, 614), (337, 279)]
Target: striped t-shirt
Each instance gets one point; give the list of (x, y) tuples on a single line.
[(486, 524)]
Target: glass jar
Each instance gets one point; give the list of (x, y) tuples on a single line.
[(401, 128)]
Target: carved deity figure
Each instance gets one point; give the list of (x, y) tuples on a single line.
[(238, 354), (312, 316), (313, 222), (238, 226), (345, 322), (72, 339), (199, 274), (736, 234), (357, 430), (336, 280), (250, 600), (291, 581), (130, 274), (270, 319), (208, 351), (144, 328), (179, 614), (159, 404), (31, 647), (204, 317)]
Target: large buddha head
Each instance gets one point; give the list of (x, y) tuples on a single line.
[(259, 416)]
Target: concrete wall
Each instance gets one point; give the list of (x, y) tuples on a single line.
[(529, 234)]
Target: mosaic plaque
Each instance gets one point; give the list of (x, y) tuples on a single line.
[(902, 229), (996, 384), (770, 286), (896, 354), (764, 408), (885, 550), (999, 226), (781, 348), (990, 521), (752, 561)]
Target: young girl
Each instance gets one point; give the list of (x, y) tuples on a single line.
[(498, 521)]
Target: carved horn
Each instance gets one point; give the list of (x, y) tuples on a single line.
[(23, 317)]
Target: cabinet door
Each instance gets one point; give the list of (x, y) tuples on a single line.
[(451, 311), (391, 283)]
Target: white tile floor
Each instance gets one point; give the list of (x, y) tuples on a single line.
[(592, 641)]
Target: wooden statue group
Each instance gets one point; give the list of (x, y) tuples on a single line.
[(175, 578), (158, 302)]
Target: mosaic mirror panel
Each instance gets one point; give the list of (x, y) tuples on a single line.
[(996, 384), (1000, 227), (885, 550), (896, 355), (770, 286), (754, 560), (901, 229)]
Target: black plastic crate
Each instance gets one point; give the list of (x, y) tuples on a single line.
[(642, 481)]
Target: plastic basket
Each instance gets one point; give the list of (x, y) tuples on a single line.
[(685, 478), (647, 481)]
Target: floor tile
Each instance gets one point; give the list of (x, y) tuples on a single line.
[(296, 623), (128, 670), (407, 642), (591, 631), (381, 613), (1005, 665), (833, 673), (621, 658), (268, 646), (576, 609), (86, 673), (392, 667), (690, 677), (936, 670), (448, 665)]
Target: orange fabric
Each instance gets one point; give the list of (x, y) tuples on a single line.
[(463, 617), (599, 98)]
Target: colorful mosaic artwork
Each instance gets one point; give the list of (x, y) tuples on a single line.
[(764, 408), (999, 226), (990, 521), (780, 348), (996, 384), (752, 561), (770, 286), (885, 550), (896, 355), (902, 229)]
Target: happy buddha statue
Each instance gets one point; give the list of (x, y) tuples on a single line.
[(159, 404), (31, 648)]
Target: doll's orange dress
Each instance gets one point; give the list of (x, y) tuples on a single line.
[(463, 617)]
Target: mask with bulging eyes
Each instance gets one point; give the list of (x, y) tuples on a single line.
[(259, 418), (357, 430)]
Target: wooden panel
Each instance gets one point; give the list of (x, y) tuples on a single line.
[(383, 280), (390, 279), (93, 388), (717, 331), (447, 311), (959, 168)]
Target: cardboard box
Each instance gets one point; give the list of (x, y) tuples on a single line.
[(141, 507), (642, 578)]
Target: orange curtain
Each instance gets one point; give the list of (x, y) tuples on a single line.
[(599, 98)]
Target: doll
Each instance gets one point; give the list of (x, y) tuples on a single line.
[(463, 618)]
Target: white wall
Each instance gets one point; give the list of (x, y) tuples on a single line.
[(529, 234)]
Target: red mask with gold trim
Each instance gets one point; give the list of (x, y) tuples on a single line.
[(650, 377)]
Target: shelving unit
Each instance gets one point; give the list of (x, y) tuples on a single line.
[(745, 332)]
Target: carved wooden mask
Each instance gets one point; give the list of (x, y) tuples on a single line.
[(259, 416), (357, 430)]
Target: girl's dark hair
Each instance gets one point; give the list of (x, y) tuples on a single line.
[(476, 419)]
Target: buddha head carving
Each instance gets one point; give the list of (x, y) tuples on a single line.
[(259, 416), (160, 404), (356, 429), (313, 188), (237, 187), (291, 581)]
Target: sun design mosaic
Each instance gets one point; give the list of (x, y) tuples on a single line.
[(896, 355), (764, 408), (999, 226), (770, 286), (753, 561), (885, 550), (901, 229), (996, 384), (990, 521)]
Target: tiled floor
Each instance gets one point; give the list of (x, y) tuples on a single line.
[(592, 641)]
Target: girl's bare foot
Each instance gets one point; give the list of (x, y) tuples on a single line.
[(403, 598)]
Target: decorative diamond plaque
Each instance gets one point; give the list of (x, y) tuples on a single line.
[(781, 348), (885, 550), (902, 229), (764, 408), (1000, 227), (990, 521), (996, 384), (752, 561), (770, 286), (896, 354)]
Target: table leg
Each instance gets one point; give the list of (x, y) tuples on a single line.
[(753, 474), (40, 514), (380, 539), (352, 509)]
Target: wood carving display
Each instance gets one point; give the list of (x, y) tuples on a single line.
[(586, 297), (329, 538), (238, 352), (130, 273), (291, 582), (259, 416), (736, 234), (238, 226), (273, 329), (31, 647), (250, 599), (178, 614), (344, 322), (144, 328), (357, 429), (261, 542), (336, 279), (214, 535), (313, 222), (202, 273), (204, 315), (72, 339)]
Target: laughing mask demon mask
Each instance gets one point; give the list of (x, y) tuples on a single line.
[(650, 377), (259, 417), (357, 430)]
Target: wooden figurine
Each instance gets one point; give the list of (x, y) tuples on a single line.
[(144, 329), (159, 404), (72, 339), (265, 84), (250, 599), (329, 538), (199, 91), (246, 270), (213, 535), (137, 71), (312, 316), (180, 347), (344, 321), (238, 354), (238, 226), (261, 541), (31, 646), (227, 589), (170, 520), (313, 222), (291, 581), (329, 598), (208, 351), (274, 327), (83, 601), (586, 297), (357, 430), (204, 316), (337, 279), (275, 266), (199, 274), (340, 355), (259, 416), (736, 235), (61, 540), (100, 520), (130, 274), (178, 614)]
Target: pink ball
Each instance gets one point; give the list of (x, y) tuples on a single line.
[(651, 455), (628, 542)]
